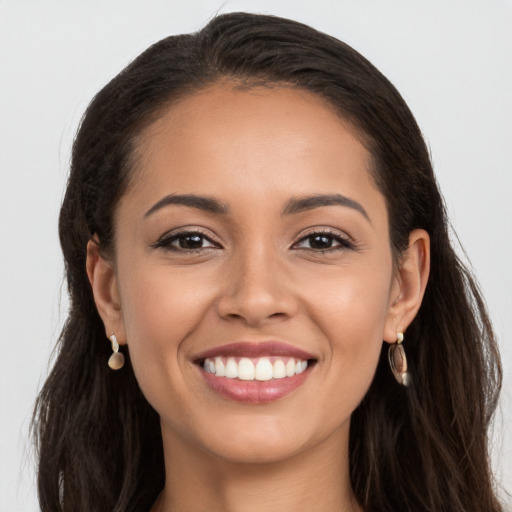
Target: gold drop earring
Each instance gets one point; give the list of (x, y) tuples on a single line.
[(398, 361), (116, 360)]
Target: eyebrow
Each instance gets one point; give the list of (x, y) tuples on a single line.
[(208, 204), (296, 205), (302, 204)]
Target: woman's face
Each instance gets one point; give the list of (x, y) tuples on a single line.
[(253, 235)]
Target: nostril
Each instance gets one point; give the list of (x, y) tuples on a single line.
[(234, 316), (255, 305)]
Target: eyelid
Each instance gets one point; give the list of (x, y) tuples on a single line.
[(170, 236), (344, 240)]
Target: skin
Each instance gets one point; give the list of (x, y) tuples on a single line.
[(259, 278)]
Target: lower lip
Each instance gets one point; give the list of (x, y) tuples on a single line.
[(255, 391)]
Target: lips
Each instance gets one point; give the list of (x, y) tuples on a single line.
[(252, 349), (255, 372)]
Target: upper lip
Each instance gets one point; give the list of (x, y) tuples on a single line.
[(255, 349)]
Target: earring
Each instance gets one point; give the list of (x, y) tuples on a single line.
[(398, 361), (116, 360)]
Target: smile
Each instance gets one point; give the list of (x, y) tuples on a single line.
[(255, 373)]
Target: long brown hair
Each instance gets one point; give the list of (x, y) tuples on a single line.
[(421, 448)]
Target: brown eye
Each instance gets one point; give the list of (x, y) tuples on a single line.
[(192, 241), (320, 241), (186, 241), (323, 242)]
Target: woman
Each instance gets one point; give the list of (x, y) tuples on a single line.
[(250, 226)]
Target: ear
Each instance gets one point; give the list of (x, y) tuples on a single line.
[(409, 284), (103, 279)]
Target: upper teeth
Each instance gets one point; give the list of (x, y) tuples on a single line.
[(262, 368)]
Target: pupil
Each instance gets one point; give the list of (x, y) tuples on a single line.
[(321, 242), (191, 241)]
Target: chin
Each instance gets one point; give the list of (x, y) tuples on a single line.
[(257, 449), (267, 440)]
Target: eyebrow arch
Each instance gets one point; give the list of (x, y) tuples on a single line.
[(301, 204), (208, 204)]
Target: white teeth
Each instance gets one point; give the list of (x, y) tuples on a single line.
[(290, 368), (300, 366), (231, 369), (220, 369), (279, 369), (261, 369), (206, 366), (245, 369)]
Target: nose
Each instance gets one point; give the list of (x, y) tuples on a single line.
[(257, 290)]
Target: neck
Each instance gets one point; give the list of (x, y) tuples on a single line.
[(314, 480)]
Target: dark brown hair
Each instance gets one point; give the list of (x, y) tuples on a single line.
[(421, 448)]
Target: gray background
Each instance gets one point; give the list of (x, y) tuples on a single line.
[(451, 60)]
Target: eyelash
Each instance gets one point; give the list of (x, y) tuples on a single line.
[(344, 242), (167, 240)]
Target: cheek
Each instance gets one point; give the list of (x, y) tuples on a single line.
[(352, 304), (351, 312), (159, 311), (160, 299)]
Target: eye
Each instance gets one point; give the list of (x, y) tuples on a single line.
[(186, 241), (323, 241)]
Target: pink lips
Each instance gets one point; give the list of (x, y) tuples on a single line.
[(251, 349), (254, 392)]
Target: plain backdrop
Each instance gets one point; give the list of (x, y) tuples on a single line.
[(450, 59)]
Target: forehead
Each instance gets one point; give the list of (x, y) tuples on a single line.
[(218, 108), (262, 141)]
